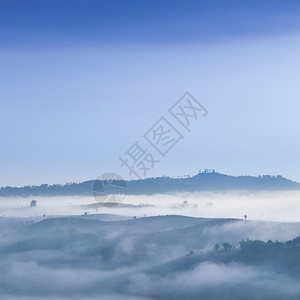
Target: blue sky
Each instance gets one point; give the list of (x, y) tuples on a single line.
[(81, 81)]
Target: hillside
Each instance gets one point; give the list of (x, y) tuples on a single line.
[(203, 181)]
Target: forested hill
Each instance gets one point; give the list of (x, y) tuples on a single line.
[(203, 181)]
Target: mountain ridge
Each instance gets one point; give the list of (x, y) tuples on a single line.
[(203, 181)]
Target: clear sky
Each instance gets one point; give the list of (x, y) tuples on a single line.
[(81, 81)]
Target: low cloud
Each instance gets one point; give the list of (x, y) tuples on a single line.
[(112, 256)]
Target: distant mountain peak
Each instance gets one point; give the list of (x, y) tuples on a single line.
[(207, 180)]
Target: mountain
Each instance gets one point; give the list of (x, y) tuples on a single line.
[(203, 181), (161, 257)]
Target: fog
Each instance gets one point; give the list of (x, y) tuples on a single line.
[(151, 247), (280, 206)]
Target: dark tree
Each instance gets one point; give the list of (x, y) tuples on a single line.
[(33, 203)]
